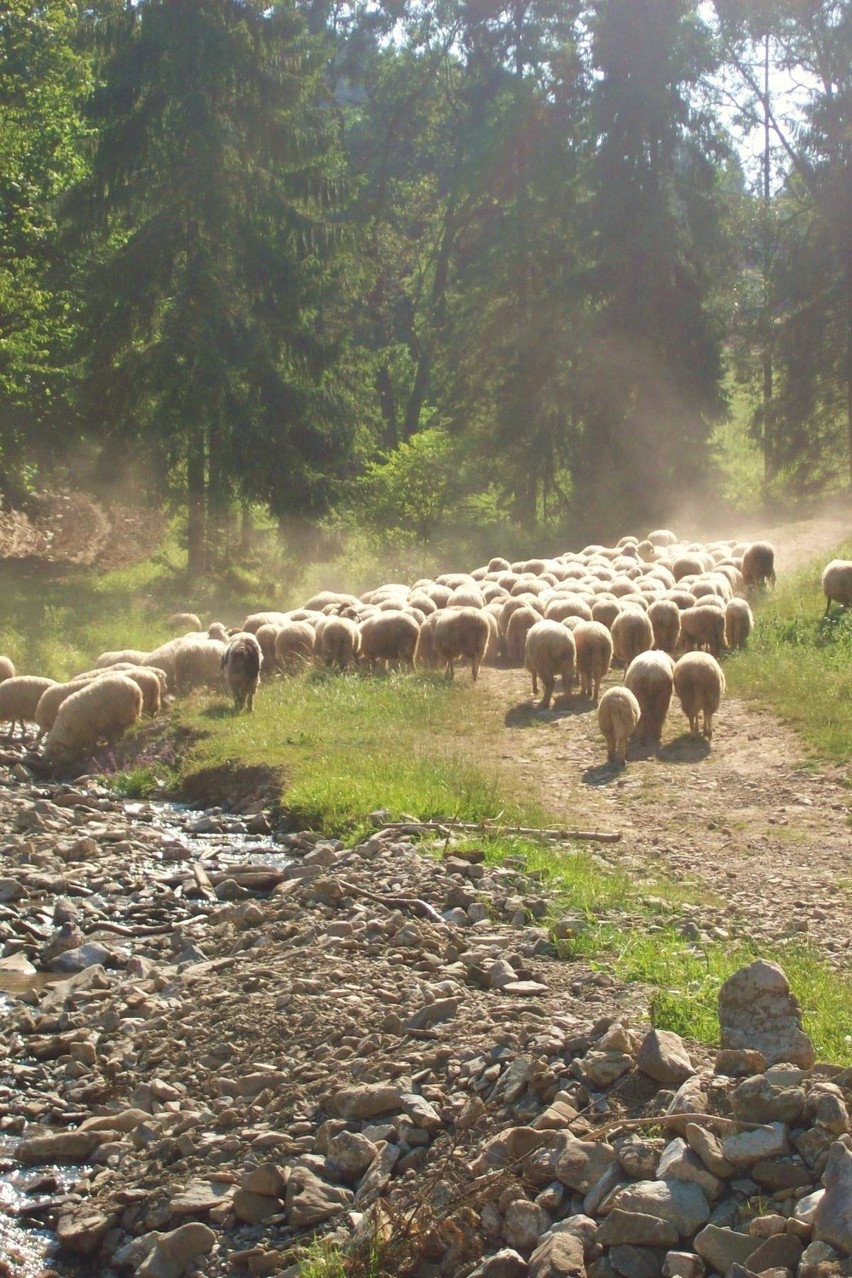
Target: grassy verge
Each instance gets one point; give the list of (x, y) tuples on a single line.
[(349, 745), (799, 665)]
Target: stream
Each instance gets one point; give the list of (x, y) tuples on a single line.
[(154, 837)]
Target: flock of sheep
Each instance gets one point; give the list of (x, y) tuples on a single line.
[(661, 608)]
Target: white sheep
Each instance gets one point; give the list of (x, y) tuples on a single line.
[(562, 606), (19, 698), (182, 621), (594, 655), (650, 677), (101, 709), (242, 661), (549, 651), (632, 633), (265, 636), (338, 641), (739, 623), (703, 627), (7, 668), (294, 646), (198, 664), (521, 621), (126, 656), (389, 638), (453, 634), (255, 620), (699, 682), (618, 715), (837, 583), (664, 616), (51, 699), (758, 565)]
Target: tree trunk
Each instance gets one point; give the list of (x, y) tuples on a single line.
[(196, 505)]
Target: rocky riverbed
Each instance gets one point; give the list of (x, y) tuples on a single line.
[(223, 1040)]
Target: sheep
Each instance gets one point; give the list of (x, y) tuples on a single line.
[(561, 606), (758, 566), (51, 699), (103, 708), (837, 583), (703, 627), (216, 630), (338, 641), (129, 656), (255, 620), (605, 610), (662, 537), (618, 715), (389, 638), (265, 636), (739, 623), (294, 646), (453, 634), (664, 616), (549, 651), (520, 621), (328, 599), (198, 664), (632, 633), (19, 698), (163, 658), (467, 596), (181, 621), (687, 565), (699, 682), (593, 643), (7, 668), (242, 661), (650, 677)]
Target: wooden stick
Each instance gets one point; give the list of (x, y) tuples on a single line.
[(395, 902), (589, 836)]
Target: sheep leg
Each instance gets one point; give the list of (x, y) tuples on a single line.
[(535, 682), (474, 666), (827, 606), (547, 691)]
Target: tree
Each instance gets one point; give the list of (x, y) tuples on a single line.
[(209, 253), (652, 351), (43, 80)]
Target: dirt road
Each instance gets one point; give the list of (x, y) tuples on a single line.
[(766, 839)]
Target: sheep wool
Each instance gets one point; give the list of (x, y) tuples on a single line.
[(389, 639), (758, 566), (294, 646), (618, 715), (19, 698), (699, 682), (650, 677), (7, 668), (632, 633), (837, 583), (594, 656), (549, 651), (102, 709)]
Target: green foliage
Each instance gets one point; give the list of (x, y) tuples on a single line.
[(406, 494)]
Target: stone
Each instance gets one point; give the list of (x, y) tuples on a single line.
[(524, 1223), (639, 1157), (366, 1100), (663, 1057), (781, 1251), (722, 1247), (781, 1173), (58, 1147), (745, 1148), (683, 1264), (91, 954), (83, 1234), (267, 1179), (421, 1112), (310, 1200), (558, 1256), (443, 1009), (758, 1011), (173, 1251), (505, 1263), (252, 1208), (378, 1174), (679, 1162), (350, 1154), (199, 1197), (806, 1207), (602, 1069), (739, 1062), (635, 1262), (637, 1228), (680, 1202), (756, 1101), (708, 1147), (833, 1218), (582, 1163)]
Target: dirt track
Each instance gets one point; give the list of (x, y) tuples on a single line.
[(767, 839)]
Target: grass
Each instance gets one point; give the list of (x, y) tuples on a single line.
[(737, 454), (349, 745), (799, 665), (687, 979)]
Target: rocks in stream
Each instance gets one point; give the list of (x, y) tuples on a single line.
[(384, 1049)]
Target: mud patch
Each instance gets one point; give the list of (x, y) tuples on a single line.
[(236, 787)]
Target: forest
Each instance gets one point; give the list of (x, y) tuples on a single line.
[(390, 261)]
